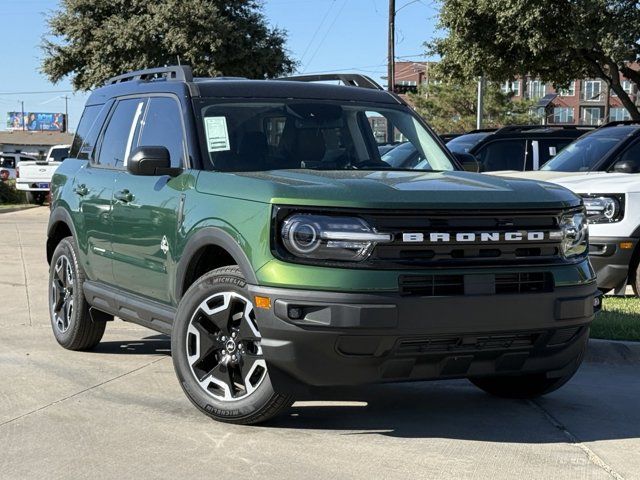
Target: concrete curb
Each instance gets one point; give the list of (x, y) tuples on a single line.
[(613, 352), (17, 209)]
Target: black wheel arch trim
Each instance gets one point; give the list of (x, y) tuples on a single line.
[(58, 215), (212, 236)]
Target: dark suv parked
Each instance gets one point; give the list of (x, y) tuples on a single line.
[(518, 147), (614, 147), (255, 223)]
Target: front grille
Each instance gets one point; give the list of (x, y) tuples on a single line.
[(485, 342), (452, 285), (481, 251)]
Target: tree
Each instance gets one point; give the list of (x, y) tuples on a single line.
[(451, 106), (556, 40), (92, 40)]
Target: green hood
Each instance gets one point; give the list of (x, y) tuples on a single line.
[(386, 189)]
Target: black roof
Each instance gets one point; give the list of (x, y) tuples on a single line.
[(178, 80)]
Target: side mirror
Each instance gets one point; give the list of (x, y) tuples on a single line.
[(150, 161), (625, 166), (468, 161)]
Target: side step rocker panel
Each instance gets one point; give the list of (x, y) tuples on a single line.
[(130, 308)]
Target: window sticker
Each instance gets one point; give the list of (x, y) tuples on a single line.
[(217, 134)]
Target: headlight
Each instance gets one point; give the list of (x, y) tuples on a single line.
[(604, 208), (575, 234), (322, 237)]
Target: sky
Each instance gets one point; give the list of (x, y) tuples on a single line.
[(323, 36)]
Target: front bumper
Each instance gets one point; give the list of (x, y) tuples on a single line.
[(611, 262), (346, 339)]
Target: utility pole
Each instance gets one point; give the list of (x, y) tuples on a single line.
[(607, 105), (24, 123), (66, 113), (481, 83), (391, 67)]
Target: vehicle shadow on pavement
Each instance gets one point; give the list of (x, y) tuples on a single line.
[(448, 409), (154, 344)]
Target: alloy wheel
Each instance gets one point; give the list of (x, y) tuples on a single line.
[(223, 347), (62, 285)]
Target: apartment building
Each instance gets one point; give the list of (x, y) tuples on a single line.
[(582, 103)]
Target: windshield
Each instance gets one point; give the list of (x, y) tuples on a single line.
[(586, 152), (464, 143), (404, 155), (259, 136)]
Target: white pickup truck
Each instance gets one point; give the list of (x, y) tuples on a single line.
[(34, 177), (612, 201)]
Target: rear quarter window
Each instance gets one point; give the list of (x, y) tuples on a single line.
[(88, 130)]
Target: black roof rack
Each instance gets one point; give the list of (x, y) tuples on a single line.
[(550, 126), (175, 72), (349, 79), (482, 130), (620, 122)]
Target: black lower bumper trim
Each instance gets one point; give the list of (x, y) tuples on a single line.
[(329, 338), (611, 262)]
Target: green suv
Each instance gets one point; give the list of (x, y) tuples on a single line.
[(255, 223)]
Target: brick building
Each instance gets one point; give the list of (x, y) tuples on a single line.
[(583, 103)]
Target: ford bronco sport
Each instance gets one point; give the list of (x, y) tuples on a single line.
[(255, 223)]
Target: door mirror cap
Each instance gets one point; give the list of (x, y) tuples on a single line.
[(150, 161), (468, 161), (625, 166)]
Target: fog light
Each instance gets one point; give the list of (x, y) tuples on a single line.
[(295, 313)]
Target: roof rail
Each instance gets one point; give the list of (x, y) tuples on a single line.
[(549, 126), (482, 130), (620, 122), (181, 73), (349, 79)]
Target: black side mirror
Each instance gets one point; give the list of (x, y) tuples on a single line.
[(468, 161), (150, 161), (625, 166)]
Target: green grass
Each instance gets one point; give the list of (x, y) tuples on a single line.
[(619, 319), (5, 206)]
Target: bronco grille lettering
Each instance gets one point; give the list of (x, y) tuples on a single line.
[(466, 237)]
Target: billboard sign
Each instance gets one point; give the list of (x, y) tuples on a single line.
[(36, 121)]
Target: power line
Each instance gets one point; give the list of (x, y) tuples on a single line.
[(315, 34), (44, 92), (326, 34)]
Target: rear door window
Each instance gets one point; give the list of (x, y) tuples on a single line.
[(119, 135), (550, 147), (508, 154)]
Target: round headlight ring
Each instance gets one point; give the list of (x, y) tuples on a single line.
[(610, 207), (303, 237)]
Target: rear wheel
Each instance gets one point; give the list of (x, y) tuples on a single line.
[(217, 353), (526, 386), (71, 320)]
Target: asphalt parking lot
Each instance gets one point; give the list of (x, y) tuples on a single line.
[(118, 412)]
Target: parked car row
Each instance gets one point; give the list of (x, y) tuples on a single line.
[(594, 163), (602, 168), (32, 176)]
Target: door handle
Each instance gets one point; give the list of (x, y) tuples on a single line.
[(124, 196), (81, 190)]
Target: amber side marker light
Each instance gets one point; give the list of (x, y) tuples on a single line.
[(626, 245), (262, 302)]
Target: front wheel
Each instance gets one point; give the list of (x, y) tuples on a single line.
[(217, 353)]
